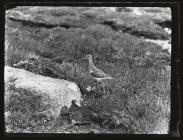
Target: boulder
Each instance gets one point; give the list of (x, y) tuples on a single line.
[(49, 94)]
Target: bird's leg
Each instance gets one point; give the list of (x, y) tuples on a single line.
[(103, 86)]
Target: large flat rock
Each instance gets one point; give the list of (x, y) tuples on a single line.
[(53, 93)]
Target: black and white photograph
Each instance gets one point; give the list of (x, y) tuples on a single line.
[(87, 69)]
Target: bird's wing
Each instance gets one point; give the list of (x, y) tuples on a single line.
[(99, 74)]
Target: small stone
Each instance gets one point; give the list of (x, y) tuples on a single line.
[(89, 88), (168, 30)]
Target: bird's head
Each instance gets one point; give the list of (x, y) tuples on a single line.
[(88, 56)]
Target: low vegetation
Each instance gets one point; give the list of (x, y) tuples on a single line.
[(131, 103)]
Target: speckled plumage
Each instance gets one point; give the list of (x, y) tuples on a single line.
[(95, 72)]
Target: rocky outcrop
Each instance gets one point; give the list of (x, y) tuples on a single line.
[(147, 22), (48, 94)]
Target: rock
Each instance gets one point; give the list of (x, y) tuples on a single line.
[(89, 88), (163, 43), (53, 93), (136, 11), (168, 30)]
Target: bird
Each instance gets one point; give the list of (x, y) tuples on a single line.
[(96, 73)]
